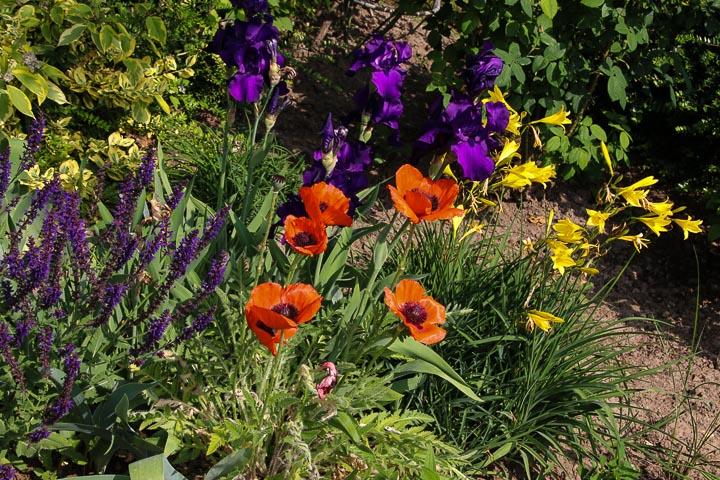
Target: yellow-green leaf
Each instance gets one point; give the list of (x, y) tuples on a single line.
[(55, 94), (71, 34), (140, 112), (33, 82), (20, 101), (163, 104), (549, 8)]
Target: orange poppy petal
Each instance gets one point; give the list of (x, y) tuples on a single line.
[(326, 204), (407, 178), (435, 311), (429, 335), (408, 291), (444, 214), (446, 190), (262, 334), (419, 203), (392, 304), (266, 295), (296, 227), (270, 318), (305, 298), (402, 206)]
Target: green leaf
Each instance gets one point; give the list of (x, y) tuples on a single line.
[(498, 454), (122, 408), (99, 477), (624, 140), (33, 82), (284, 24), (598, 132), (345, 422), (154, 468), (20, 101), (427, 361), (156, 29), (71, 34), (549, 8), (234, 461), (593, 3), (140, 112), (107, 35), (617, 85), (4, 105)]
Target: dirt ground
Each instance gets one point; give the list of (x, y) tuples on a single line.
[(662, 283)]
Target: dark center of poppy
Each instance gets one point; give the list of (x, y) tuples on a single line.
[(434, 201), (265, 328), (304, 239), (286, 310), (323, 206), (414, 313)]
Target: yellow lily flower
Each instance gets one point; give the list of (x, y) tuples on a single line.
[(645, 182), (457, 220), (496, 95), (662, 209), (521, 176), (637, 240), (657, 224), (541, 320), (597, 219), (515, 123), (688, 225), (448, 171), (559, 118), (561, 256), (606, 155), (567, 231), (34, 180), (589, 271), (635, 198), (509, 152)]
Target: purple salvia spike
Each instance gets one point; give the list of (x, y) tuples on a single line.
[(7, 472), (5, 167), (5, 342), (45, 340), (213, 227), (155, 332), (35, 136)]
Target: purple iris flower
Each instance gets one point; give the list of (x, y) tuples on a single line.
[(251, 46), (380, 55), (339, 162), (382, 102), (482, 70), (459, 128), (498, 116)]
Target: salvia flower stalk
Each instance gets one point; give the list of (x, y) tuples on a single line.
[(62, 277)]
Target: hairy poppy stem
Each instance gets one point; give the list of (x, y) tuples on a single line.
[(263, 244), (293, 268)]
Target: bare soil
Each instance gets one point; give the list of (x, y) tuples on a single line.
[(661, 283)]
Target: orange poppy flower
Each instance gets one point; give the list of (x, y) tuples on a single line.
[(305, 235), (326, 204), (273, 313), (419, 312), (420, 198)]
